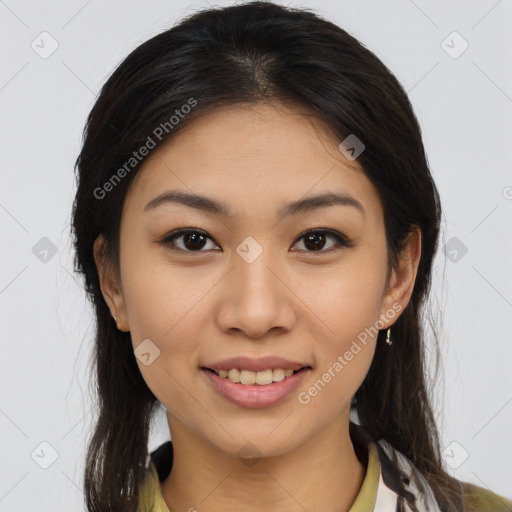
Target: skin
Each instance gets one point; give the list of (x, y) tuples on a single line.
[(292, 301)]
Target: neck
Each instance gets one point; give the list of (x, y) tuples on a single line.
[(322, 474)]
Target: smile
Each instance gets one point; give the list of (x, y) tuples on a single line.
[(262, 378), (252, 389)]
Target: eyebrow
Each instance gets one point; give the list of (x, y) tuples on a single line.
[(212, 206)]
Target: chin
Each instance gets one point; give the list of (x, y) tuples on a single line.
[(245, 441)]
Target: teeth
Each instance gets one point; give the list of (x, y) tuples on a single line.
[(278, 375), (248, 377), (264, 377), (234, 375)]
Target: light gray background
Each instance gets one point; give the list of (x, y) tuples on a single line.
[(464, 105)]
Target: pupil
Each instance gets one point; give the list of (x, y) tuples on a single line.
[(317, 239), (196, 239)]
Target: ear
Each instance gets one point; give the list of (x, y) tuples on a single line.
[(403, 276), (110, 288)]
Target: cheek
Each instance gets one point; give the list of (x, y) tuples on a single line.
[(349, 307), (164, 306), (161, 299), (348, 299)]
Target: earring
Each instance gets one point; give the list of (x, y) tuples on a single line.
[(115, 320), (388, 337)]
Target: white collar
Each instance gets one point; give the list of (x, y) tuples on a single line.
[(388, 499)]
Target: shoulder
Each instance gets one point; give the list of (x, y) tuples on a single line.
[(478, 499), (150, 496), (150, 493), (158, 468), (148, 490)]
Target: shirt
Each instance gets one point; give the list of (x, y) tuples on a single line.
[(379, 491)]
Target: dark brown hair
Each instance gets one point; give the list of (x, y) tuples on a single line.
[(252, 53)]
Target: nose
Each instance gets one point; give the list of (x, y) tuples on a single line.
[(257, 298)]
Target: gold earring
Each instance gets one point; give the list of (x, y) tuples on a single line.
[(388, 337)]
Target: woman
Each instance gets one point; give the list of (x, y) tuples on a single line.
[(256, 221)]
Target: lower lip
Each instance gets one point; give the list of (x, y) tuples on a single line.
[(253, 396)]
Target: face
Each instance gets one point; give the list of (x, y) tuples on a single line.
[(256, 278)]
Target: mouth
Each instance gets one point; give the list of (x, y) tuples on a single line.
[(261, 378), (256, 388)]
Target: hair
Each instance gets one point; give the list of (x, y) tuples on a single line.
[(251, 54)]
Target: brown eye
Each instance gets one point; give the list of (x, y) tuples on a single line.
[(188, 240), (193, 241), (316, 240)]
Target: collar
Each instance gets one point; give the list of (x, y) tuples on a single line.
[(394, 484)]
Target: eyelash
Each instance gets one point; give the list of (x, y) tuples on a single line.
[(341, 240)]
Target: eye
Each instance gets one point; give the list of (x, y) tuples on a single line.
[(315, 240), (194, 240)]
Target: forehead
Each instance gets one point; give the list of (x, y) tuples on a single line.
[(252, 154)]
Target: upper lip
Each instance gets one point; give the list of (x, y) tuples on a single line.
[(256, 364)]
